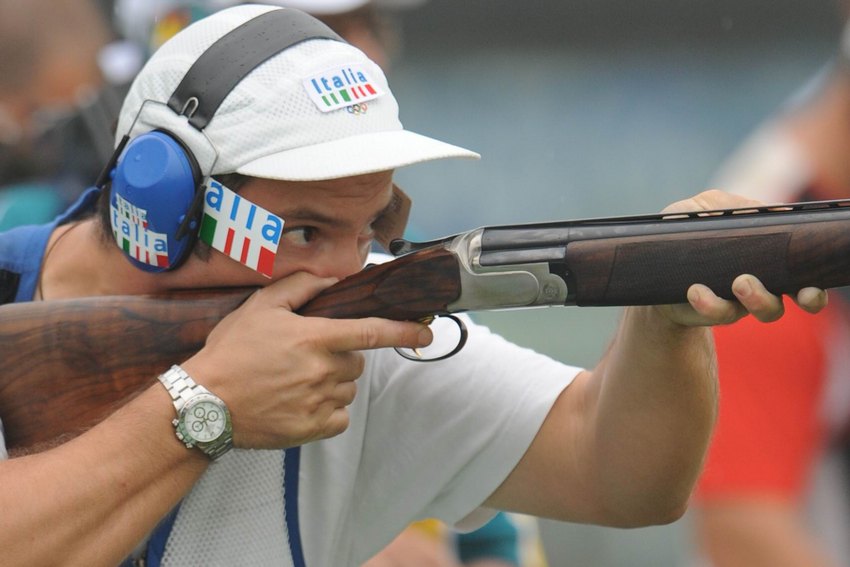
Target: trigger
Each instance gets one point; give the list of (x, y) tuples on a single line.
[(463, 335)]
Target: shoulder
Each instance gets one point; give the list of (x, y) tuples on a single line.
[(21, 250)]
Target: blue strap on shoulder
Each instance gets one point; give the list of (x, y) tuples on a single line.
[(291, 470), (156, 544)]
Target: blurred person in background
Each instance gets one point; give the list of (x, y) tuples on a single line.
[(509, 540), (774, 492), (58, 62)]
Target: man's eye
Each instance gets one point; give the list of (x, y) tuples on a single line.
[(301, 235)]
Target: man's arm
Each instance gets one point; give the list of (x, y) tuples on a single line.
[(89, 501), (286, 379), (624, 444)]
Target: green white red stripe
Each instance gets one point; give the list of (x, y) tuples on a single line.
[(142, 253), (240, 229), (131, 232), (341, 87)]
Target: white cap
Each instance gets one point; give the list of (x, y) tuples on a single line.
[(288, 118)]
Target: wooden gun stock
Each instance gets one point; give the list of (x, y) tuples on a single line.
[(68, 364), (407, 289)]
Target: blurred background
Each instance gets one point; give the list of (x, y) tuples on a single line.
[(582, 108)]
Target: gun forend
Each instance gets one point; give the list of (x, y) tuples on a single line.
[(654, 259)]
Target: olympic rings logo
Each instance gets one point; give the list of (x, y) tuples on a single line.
[(358, 108)]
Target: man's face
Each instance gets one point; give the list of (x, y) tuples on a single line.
[(327, 231)]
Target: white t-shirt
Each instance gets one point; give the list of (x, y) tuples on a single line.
[(425, 440)]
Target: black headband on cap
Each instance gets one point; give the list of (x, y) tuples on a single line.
[(230, 59)]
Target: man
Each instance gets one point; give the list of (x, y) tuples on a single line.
[(783, 419), (505, 541), (372, 441)]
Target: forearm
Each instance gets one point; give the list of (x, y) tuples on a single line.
[(623, 444), (655, 405), (91, 500)]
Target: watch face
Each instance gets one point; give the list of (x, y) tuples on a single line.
[(204, 420)]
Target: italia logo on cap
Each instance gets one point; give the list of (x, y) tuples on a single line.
[(341, 87)]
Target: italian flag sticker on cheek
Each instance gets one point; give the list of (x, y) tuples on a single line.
[(240, 229)]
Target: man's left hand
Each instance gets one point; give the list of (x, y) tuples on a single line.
[(704, 307)]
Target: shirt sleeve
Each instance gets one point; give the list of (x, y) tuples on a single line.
[(444, 435)]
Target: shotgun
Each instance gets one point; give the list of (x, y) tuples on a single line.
[(67, 364)]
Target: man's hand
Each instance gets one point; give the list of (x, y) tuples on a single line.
[(704, 307), (287, 379)]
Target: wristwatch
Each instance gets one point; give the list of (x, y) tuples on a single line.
[(203, 420)]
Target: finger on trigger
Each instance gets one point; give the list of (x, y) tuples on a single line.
[(374, 332)]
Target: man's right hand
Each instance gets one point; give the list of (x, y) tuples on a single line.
[(288, 379)]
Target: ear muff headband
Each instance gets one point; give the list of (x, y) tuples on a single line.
[(152, 171), (230, 59)]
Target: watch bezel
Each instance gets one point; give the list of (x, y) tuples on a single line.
[(214, 447)]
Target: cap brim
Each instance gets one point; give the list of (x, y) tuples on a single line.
[(355, 155)]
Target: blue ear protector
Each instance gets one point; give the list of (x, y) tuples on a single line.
[(157, 185), (156, 177)]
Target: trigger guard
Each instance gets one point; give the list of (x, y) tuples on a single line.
[(464, 335)]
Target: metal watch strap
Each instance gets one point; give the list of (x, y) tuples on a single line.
[(180, 386)]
